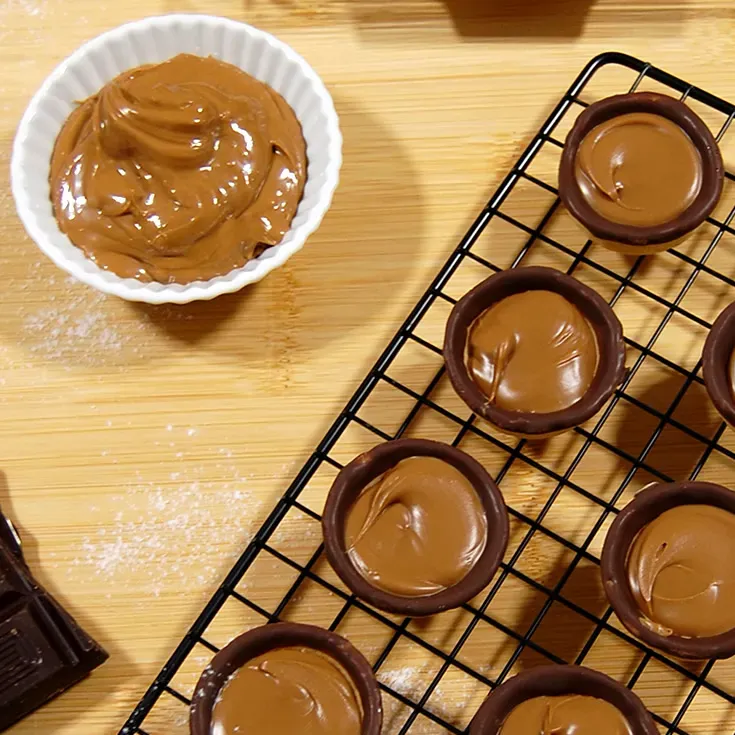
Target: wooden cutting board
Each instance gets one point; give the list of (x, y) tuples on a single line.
[(142, 447)]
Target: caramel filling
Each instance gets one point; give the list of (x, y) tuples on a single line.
[(681, 570), (178, 172), (418, 529), (639, 169), (571, 714), (532, 352), (289, 690)]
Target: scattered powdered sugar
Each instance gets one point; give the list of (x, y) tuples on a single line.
[(33, 8), (451, 704), (412, 682), (58, 328), (295, 535), (77, 324), (181, 720), (40, 15), (207, 682), (168, 533)]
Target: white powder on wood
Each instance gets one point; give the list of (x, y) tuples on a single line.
[(77, 325), (32, 8), (170, 536), (412, 682)]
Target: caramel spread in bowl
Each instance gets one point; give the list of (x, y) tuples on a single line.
[(178, 172)]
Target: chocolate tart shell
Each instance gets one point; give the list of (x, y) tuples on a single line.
[(279, 635), (648, 505), (558, 680), (657, 104), (608, 331), (367, 467), (716, 354)]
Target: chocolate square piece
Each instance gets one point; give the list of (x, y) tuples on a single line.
[(43, 651)]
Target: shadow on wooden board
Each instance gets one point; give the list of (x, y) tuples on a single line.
[(478, 18), (527, 18), (518, 19)]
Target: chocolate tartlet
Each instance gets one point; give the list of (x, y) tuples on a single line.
[(415, 527), (668, 567), (571, 695), (718, 364), (640, 171), (534, 351), (280, 677)]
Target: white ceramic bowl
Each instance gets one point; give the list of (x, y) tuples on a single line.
[(154, 40)]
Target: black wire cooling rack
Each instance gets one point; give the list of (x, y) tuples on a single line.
[(658, 426)]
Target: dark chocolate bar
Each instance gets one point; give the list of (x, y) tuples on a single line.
[(43, 651)]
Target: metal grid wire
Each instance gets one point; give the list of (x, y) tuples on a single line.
[(467, 639)]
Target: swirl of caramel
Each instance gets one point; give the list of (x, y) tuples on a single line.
[(532, 351), (418, 529), (571, 714), (639, 169), (681, 570), (179, 171)]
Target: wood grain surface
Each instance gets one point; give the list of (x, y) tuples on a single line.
[(142, 447)]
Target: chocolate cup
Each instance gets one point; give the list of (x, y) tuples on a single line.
[(716, 354), (648, 505), (258, 641), (608, 331), (558, 680), (713, 171), (367, 467)]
